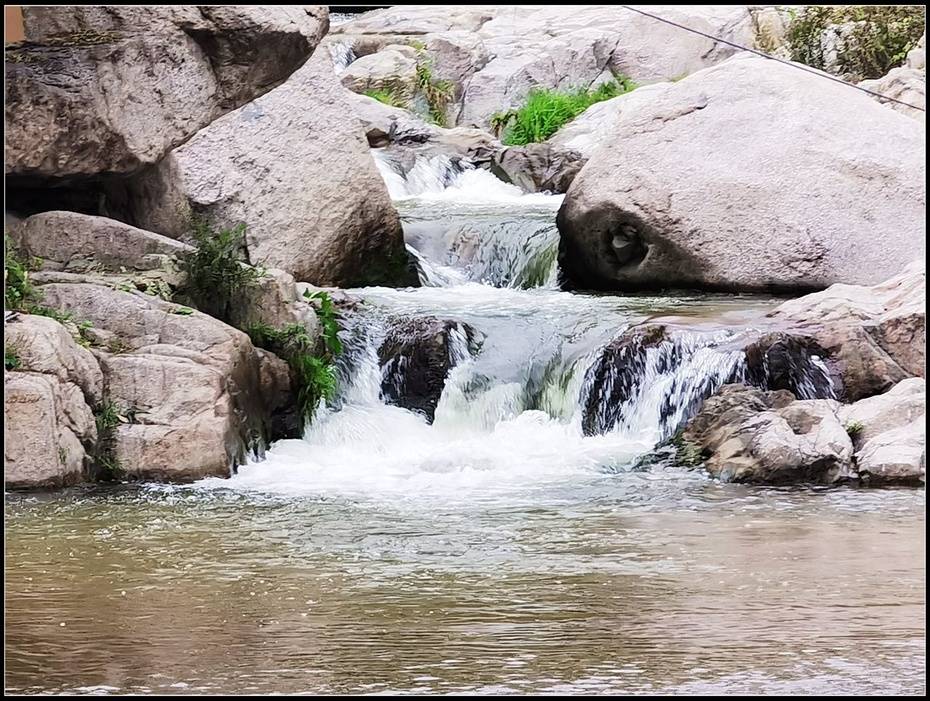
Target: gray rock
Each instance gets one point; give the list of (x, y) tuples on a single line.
[(45, 346), (301, 179), (901, 405), (388, 69), (873, 336), (908, 85), (739, 204), (748, 435), (104, 90), (539, 167), (68, 239), (48, 431), (897, 456)]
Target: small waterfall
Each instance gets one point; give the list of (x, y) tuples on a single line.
[(342, 54)]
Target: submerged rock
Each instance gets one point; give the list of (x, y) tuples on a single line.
[(416, 357), (102, 90), (697, 187), (294, 167)]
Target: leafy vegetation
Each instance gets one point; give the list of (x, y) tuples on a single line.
[(438, 93), (546, 111), (215, 273), (11, 359), (107, 418), (389, 96), (874, 38), (314, 372), (854, 428), (17, 290)]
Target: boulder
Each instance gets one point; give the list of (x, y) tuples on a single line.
[(902, 404), (416, 356), (749, 435), (45, 346), (897, 456), (389, 69), (908, 85), (696, 188), (539, 167), (48, 431), (195, 391), (69, 241), (873, 337), (302, 181), (792, 362), (494, 55), (103, 90)]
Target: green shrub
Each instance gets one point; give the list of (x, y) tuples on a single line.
[(107, 418), (11, 359), (438, 93), (17, 290), (878, 40), (215, 274), (546, 111), (313, 371), (854, 428), (389, 97)]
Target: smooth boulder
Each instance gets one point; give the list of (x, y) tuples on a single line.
[(294, 167), (749, 175)]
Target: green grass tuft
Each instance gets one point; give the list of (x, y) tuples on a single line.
[(11, 359), (389, 97), (854, 428), (546, 111)]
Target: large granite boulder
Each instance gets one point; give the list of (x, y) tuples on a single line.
[(749, 175), (98, 90), (196, 393), (295, 168)]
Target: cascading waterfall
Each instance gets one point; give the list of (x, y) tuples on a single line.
[(555, 388), (342, 54)]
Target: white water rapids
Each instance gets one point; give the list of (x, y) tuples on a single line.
[(510, 415)]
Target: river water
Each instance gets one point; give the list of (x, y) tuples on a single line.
[(496, 549)]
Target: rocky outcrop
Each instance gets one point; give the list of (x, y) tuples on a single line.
[(739, 204), (103, 90), (907, 83), (494, 55), (873, 337), (393, 68), (195, 392), (416, 357), (300, 179), (49, 430), (74, 242), (749, 435)]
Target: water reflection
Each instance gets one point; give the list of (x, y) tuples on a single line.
[(625, 584)]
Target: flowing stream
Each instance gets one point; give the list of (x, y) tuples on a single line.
[(513, 542)]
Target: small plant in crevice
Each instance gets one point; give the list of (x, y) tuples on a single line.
[(326, 313), (18, 292), (11, 359), (312, 369), (437, 92), (389, 96), (107, 418), (215, 272), (687, 453), (854, 428), (545, 111)]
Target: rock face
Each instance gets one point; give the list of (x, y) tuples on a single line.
[(697, 189), (393, 68), (197, 391), (68, 240), (302, 181), (749, 435), (48, 431), (416, 357), (493, 55), (907, 85), (874, 337), (103, 90)]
